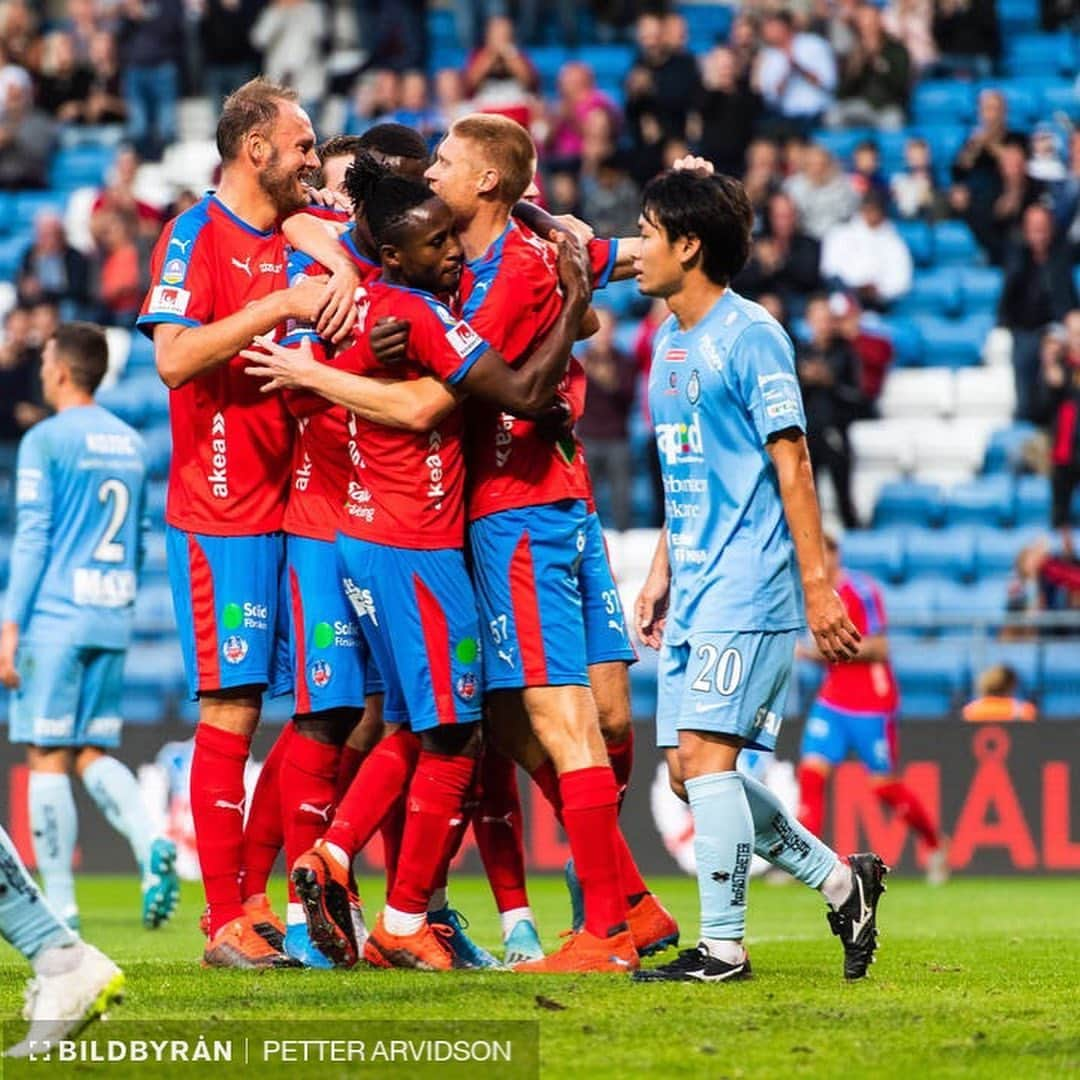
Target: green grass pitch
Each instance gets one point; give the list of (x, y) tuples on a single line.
[(979, 978)]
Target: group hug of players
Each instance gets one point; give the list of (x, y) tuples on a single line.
[(317, 543)]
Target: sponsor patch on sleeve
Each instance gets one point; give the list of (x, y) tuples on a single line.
[(463, 338), (167, 300)]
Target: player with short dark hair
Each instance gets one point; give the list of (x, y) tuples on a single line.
[(723, 600), (855, 710), (80, 504), (219, 278), (401, 548)]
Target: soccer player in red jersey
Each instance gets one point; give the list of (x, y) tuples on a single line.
[(308, 768), (528, 527), (218, 280), (402, 549), (855, 711)]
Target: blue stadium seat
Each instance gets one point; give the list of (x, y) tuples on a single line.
[(154, 615), (982, 602), (919, 238), (1016, 15), (643, 684), (1022, 102), (707, 23), (945, 138), (1033, 501), (910, 607), (954, 244), (840, 142), (1005, 450), (29, 203), (934, 291), (984, 500), (877, 552), (1022, 656), (931, 676), (996, 549), (1033, 54), (547, 59), (907, 341), (156, 495), (947, 101), (9, 220), (11, 256), (610, 62), (980, 287), (1061, 97), (943, 553), (808, 679), (908, 502), (1060, 681), (953, 343), (158, 451), (83, 166)]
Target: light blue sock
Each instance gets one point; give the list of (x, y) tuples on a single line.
[(779, 838), (26, 920), (54, 826), (723, 847), (112, 785)]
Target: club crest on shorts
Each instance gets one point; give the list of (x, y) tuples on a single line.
[(234, 649), (466, 686), (321, 673)]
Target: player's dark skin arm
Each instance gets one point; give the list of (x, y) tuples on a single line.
[(182, 352), (833, 630), (419, 405)]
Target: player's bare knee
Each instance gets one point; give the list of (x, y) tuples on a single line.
[(675, 777), (610, 684), (330, 726), (49, 759), (371, 727), (453, 740), (236, 709), (85, 757), (701, 753)]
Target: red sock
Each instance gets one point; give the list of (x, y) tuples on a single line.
[(382, 779), (590, 817), (217, 807), (308, 781), (547, 780), (910, 808), (351, 760), (435, 801), (621, 756), (391, 829), (811, 799), (264, 832), (633, 883), (460, 827), (499, 830)]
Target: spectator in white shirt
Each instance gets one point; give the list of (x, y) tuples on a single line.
[(822, 193), (868, 256), (795, 74)]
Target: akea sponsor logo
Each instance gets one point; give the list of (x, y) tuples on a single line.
[(681, 443), (434, 463), (218, 478), (504, 439)]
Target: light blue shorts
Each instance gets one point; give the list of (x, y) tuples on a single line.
[(728, 683), (70, 696)]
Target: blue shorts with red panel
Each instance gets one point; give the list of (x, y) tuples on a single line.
[(527, 565), (606, 636), (417, 612), (329, 660), (832, 733), (225, 592)]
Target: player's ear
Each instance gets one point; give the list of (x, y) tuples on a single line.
[(257, 147), (688, 248), (390, 256), (488, 181)]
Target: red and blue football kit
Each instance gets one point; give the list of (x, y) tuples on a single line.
[(856, 705), (329, 663), (527, 508), (232, 446), (402, 532)]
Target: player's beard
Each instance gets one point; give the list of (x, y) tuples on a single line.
[(281, 186)]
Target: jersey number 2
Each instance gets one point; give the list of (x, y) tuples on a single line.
[(116, 492)]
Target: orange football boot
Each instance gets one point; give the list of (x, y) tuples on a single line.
[(239, 945), (322, 884), (651, 926), (425, 950), (583, 951), (257, 908)]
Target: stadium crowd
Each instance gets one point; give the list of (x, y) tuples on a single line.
[(860, 176)]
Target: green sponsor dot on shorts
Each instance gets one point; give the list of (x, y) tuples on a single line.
[(232, 616), (466, 650), (324, 635)]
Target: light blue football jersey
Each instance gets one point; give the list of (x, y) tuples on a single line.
[(716, 394), (80, 501)]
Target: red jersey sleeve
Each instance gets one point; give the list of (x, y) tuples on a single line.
[(181, 274), (439, 341), (602, 256)]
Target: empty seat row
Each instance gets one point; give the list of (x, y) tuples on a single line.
[(941, 391), (963, 553), (952, 291), (999, 500)]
